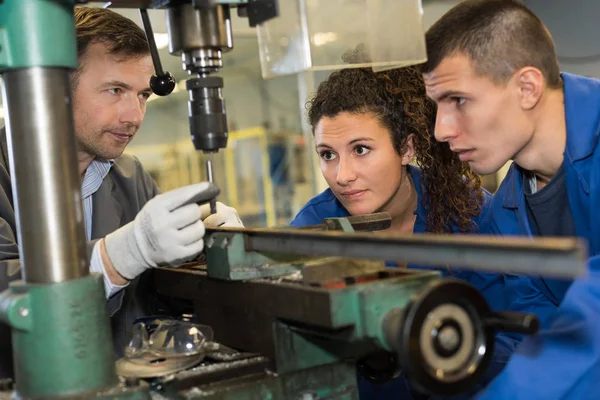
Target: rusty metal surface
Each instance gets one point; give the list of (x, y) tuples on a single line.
[(326, 269), (368, 222)]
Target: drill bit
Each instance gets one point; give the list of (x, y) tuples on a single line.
[(211, 179)]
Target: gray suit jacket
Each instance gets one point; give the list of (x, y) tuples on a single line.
[(124, 191)]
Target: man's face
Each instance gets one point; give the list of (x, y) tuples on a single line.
[(359, 162), (481, 121), (109, 101)]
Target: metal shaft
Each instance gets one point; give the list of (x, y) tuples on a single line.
[(45, 182), (549, 257), (211, 178)]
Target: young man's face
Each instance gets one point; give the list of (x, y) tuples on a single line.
[(109, 101), (481, 121)]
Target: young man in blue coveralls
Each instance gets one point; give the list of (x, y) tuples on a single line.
[(492, 70)]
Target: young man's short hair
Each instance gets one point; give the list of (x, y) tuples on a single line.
[(498, 36)]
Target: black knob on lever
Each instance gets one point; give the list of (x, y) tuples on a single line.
[(509, 321), (162, 83)]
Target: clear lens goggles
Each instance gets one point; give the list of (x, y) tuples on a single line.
[(167, 337)]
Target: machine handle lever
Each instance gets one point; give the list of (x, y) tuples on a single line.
[(162, 83), (510, 321)]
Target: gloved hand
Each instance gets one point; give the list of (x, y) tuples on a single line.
[(167, 231), (226, 217)]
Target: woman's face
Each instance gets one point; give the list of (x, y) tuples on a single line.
[(359, 162)]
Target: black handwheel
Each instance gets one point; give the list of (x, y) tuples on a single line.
[(445, 346)]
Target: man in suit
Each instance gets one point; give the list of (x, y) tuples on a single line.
[(129, 225)]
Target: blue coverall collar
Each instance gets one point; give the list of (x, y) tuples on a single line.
[(582, 119)]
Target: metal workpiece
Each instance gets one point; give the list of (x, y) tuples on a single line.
[(45, 182), (548, 257), (354, 223)]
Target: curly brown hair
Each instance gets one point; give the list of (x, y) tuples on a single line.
[(452, 193)]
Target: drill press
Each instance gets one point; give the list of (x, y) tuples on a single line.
[(200, 32)]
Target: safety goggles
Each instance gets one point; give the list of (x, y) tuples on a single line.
[(167, 337)]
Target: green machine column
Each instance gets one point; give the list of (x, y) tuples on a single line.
[(37, 33), (61, 339)]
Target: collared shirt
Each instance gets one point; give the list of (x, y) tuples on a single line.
[(92, 180), (94, 175)]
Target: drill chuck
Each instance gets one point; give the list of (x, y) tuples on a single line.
[(208, 121)]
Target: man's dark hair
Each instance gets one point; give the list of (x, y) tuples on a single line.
[(122, 36), (498, 36)]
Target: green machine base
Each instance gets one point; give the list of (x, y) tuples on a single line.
[(62, 345)]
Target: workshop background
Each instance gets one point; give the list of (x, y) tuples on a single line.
[(270, 169)]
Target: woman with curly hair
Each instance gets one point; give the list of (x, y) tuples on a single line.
[(368, 128)]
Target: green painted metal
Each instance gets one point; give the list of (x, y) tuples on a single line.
[(361, 309), (66, 347), (378, 298), (14, 310), (228, 259), (296, 351), (37, 33)]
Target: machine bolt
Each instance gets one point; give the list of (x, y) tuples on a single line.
[(23, 312), (449, 338)]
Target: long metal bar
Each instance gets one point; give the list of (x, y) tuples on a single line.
[(551, 257), (45, 181)]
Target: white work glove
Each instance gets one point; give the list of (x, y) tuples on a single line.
[(226, 217), (167, 231)]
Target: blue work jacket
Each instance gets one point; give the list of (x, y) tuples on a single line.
[(563, 361), (326, 205)]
